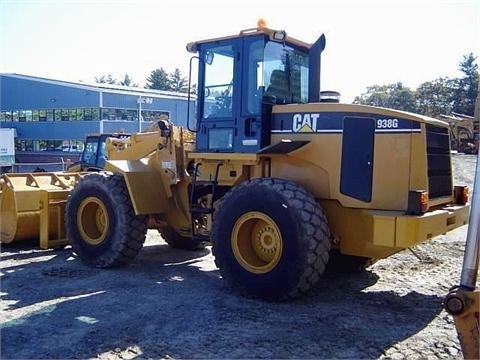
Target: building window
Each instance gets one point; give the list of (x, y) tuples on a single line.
[(52, 145), (65, 115), (87, 114), (83, 114), (24, 145), (96, 114), (50, 115), (58, 114), (155, 115), (42, 145), (109, 114), (42, 115), (73, 146), (80, 114)]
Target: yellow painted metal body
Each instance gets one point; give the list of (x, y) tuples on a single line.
[(154, 166), (374, 229), (32, 207)]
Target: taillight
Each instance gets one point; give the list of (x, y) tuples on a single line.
[(460, 194), (417, 202)]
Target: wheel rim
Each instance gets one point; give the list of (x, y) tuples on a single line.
[(92, 220), (257, 242)]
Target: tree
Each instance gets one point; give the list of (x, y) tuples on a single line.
[(127, 81), (394, 96), (193, 89), (158, 79), (466, 88), (178, 82), (435, 97), (106, 79), (432, 98)]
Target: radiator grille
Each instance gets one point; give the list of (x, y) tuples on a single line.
[(439, 162)]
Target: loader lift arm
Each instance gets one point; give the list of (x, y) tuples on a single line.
[(463, 301)]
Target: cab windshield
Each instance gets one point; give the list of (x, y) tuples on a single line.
[(284, 74), (273, 72), (89, 155)]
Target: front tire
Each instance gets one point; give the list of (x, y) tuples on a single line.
[(270, 239), (101, 223)]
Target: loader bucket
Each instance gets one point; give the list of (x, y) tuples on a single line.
[(32, 207)]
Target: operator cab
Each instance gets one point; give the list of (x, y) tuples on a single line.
[(240, 78), (94, 153)]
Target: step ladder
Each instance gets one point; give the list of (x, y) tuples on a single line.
[(201, 188)]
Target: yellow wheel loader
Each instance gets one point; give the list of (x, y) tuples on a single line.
[(280, 183), (94, 152)]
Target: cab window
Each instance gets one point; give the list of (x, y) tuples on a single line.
[(219, 82)]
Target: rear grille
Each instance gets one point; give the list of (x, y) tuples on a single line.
[(439, 163)]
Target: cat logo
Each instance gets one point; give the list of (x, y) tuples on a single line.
[(305, 122)]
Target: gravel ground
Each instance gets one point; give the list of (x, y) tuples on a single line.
[(173, 304)]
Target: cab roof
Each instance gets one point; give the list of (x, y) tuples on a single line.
[(261, 29)]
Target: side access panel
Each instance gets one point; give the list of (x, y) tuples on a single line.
[(357, 158)]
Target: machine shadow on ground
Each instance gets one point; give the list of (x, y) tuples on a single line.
[(169, 303)]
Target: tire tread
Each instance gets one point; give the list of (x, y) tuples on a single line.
[(132, 228), (316, 234)]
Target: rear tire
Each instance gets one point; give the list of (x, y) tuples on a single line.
[(270, 239), (101, 223)]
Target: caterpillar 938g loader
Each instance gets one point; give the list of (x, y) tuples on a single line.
[(280, 183)]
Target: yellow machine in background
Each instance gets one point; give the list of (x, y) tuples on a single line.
[(94, 153), (464, 132), (32, 206), (280, 183)]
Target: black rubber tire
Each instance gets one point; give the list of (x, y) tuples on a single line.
[(125, 233), (303, 227), (176, 241), (347, 264)]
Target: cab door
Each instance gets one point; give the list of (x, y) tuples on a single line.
[(230, 118), (219, 75), (253, 127)]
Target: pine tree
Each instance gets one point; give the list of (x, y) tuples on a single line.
[(466, 88), (106, 79), (127, 81), (178, 82), (158, 79)]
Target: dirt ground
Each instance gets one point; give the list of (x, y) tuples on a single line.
[(173, 304)]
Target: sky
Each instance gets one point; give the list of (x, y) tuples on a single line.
[(369, 42)]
